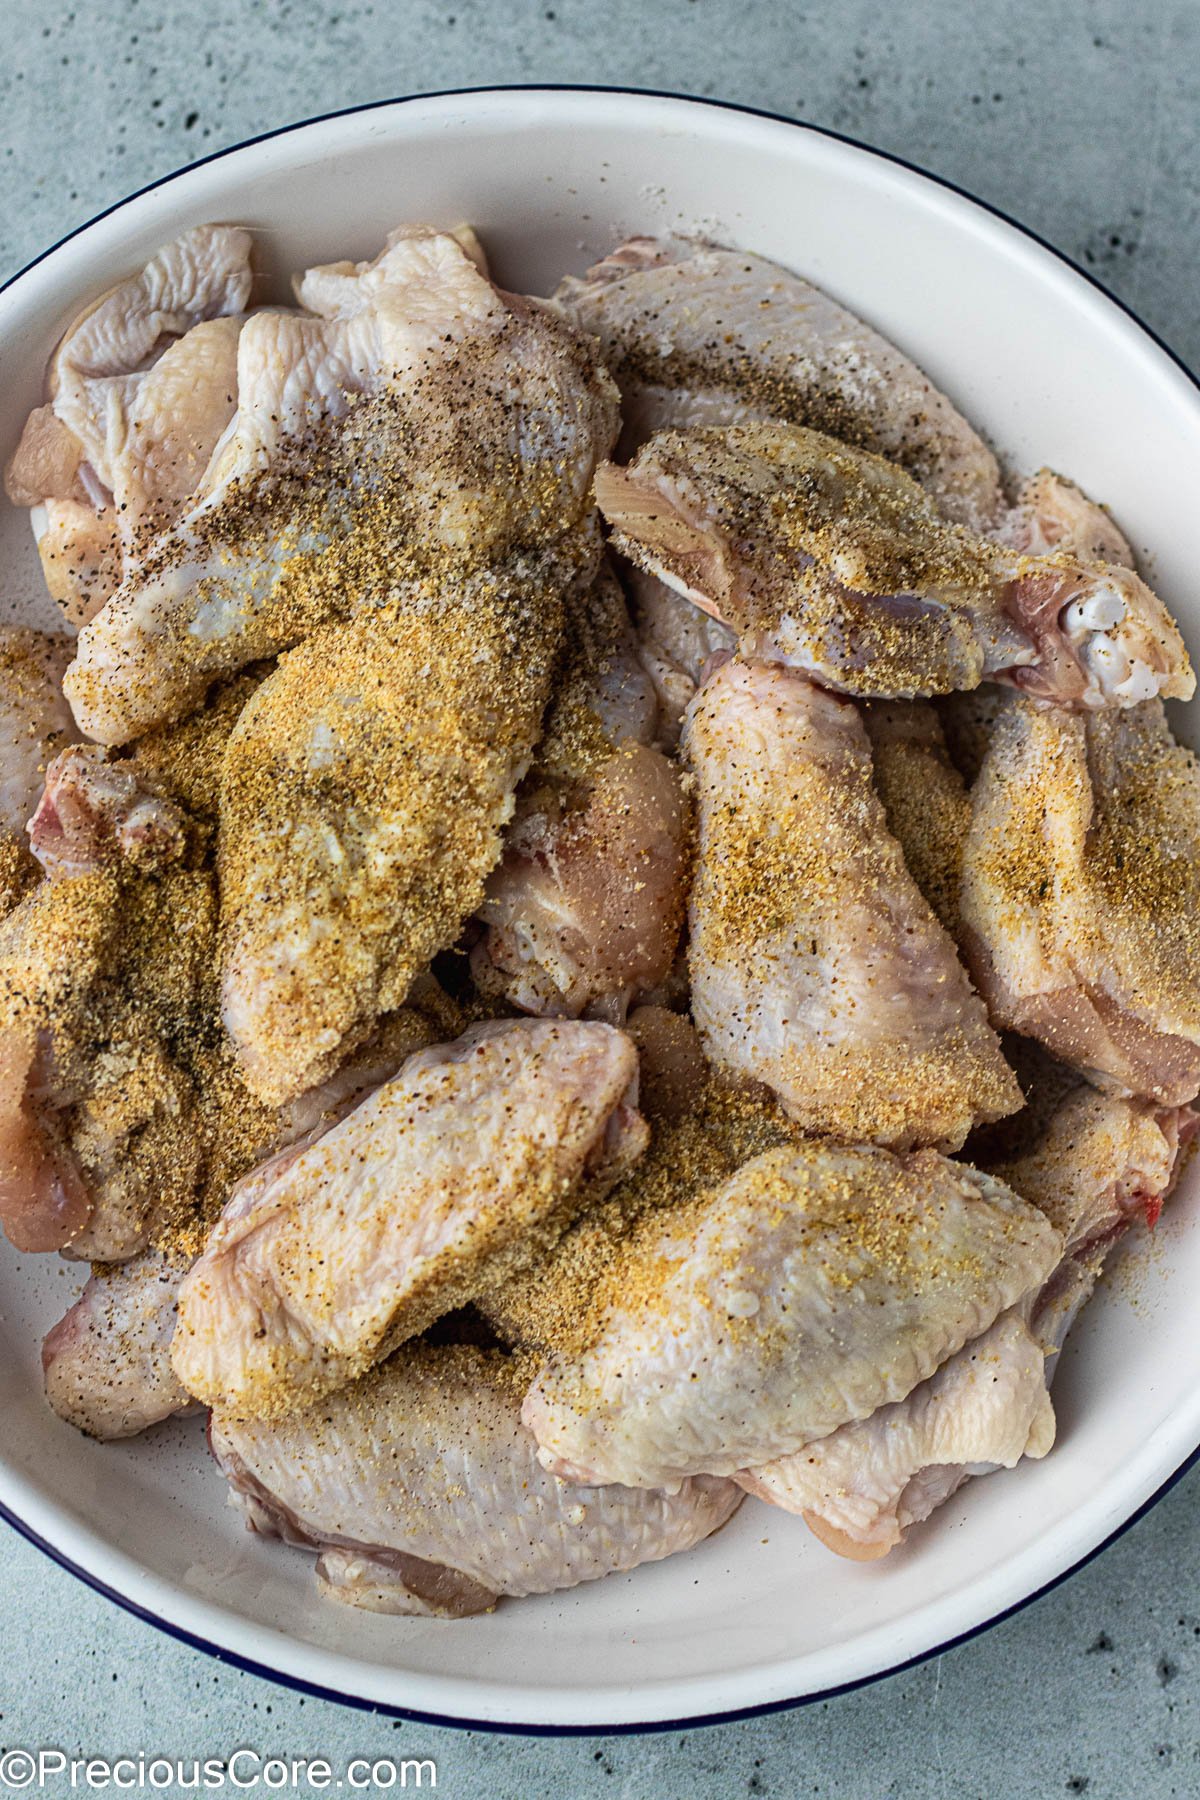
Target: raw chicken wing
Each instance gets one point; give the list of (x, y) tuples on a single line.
[(860, 1488), (142, 385), (833, 561), (1081, 893), (108, 1360), (584, 911), (363, 794), (817, 1284), (1053, 514), (698, 335), (421, 425), (422, 1491), (816, 965), (1098, 1162), (459, 1170), (122, 1114)]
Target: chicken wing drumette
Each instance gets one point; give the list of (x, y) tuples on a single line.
[(1080, 895), (816, 965)]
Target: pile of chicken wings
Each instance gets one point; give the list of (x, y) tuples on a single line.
[(596, 919)]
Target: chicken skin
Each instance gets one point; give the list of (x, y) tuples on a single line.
[(419, 425), (678, 645), (815, 1285), (35, 724), (422, 1491), (459, 1170), (924, 797), (142, 386), (699, 335), (1100, 1163), (1052, 514), (584, 911), (364, 791), (107, 1362), (862, 1487), (1080, 894), (833, 561), (1096, 1165), (816, 966)]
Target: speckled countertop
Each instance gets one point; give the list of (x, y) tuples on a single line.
[(1081, 118)]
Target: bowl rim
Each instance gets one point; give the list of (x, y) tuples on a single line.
[(621, 1728)]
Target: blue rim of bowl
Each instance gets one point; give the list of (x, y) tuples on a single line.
[(637, 1728)]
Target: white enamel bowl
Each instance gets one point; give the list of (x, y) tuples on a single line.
[(1055, 373)]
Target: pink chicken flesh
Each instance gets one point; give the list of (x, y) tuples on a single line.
[(583, 912)]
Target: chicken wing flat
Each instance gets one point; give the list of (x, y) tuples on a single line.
[(699, 335), (817, 1284), (834, 561), (862, 1487), (363, 795), (1097, 1164), (418, 423), (583, 913), (472, 1159), (422, 1491), (816, 965), (1080, 896), (142, 385)]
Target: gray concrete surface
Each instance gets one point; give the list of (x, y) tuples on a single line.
[(1082, 119)]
